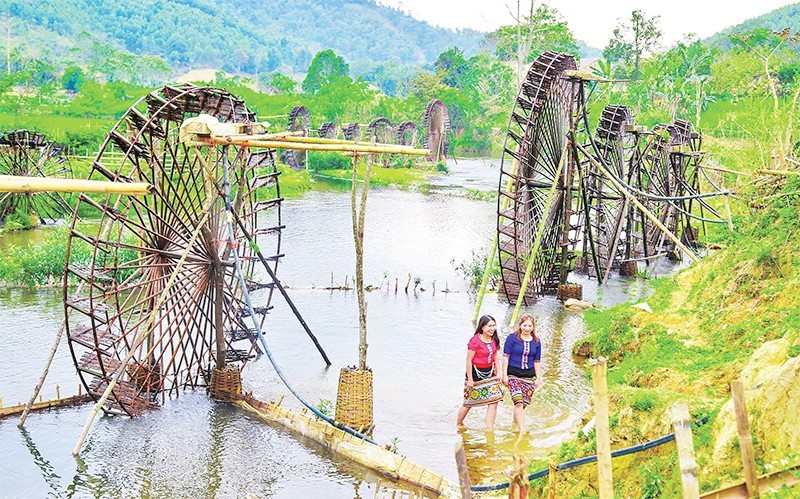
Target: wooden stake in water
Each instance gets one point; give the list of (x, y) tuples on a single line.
[(463, 472)]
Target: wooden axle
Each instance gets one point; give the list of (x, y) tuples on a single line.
[(11, 183)]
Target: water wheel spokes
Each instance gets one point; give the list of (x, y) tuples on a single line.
[(607, 208), (298, 121), (436, 124), (534, 204), (125, 304), (381, 130), (27, 153)]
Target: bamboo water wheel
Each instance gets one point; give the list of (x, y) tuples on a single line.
[(406, 134), (621, 195), (532, 221), (436, 123), (28, 153), (352, 131), (176, 333), (298, 121), (381, 130), (328, 130)]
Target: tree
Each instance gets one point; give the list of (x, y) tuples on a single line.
[(325, 67), (544, 29), (72, 78), (630, 42), (279, 83)]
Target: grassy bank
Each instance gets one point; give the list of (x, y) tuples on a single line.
[(710, 324)]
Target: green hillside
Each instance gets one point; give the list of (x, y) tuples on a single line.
[(776, 20), (238, 36)]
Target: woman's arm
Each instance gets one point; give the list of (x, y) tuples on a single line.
[(537, 366), (504, 371), (470, 381), (498, 362)]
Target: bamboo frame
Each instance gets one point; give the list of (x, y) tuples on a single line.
[(283, 143), (11, 183)]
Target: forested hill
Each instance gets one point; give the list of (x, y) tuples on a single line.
[(239, 36), (776, 20)]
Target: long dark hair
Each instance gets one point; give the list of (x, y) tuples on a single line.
[(482, 322)]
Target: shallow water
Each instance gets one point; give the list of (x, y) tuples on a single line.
[(193, 447)]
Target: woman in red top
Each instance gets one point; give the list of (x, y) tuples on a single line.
[(482, 384)]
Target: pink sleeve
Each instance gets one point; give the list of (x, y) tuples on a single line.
[(473, 343)]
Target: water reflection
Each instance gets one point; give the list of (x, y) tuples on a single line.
[(193, 447)]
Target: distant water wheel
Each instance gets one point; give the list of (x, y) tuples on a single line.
[(436, 123), (352, 131), (607, 208), (328, 130), (178, 332), (536, 180), (406, 134), (381, 130), (298, 121), (29, 154)]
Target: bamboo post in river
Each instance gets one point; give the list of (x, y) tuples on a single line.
[(599, 382), (39, 385), (683, 438), (463, 471), (518, 485), (745, 438)]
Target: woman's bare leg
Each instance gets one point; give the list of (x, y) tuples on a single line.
[(462, 413), (519, 416), (491, 414)]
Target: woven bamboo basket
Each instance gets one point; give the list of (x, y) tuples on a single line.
[(569, 290), (628, 268), (354, 398), (226, 384)]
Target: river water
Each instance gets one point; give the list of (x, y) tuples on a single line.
[(193, 447)]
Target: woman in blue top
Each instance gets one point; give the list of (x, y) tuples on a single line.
[(522, 353)]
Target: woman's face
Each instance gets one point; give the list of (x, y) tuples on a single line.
[(489, 328), (526, 327)]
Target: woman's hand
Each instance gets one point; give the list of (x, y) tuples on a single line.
[(505, 380), (470, 383)]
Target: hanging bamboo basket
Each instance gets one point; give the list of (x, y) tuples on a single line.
[(226, 384), (354, 398)]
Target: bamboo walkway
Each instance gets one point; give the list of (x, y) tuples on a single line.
[(43, 405)]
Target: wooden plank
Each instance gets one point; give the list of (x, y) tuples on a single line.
[(600, 384), (682, 424), (745, 438), (766, 483), (463, 472)]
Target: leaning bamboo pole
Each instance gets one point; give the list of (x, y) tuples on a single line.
[(11, 183), (140, 339), (641, 207)]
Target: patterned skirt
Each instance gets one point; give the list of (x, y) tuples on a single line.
[(521, 390), (484, 392)]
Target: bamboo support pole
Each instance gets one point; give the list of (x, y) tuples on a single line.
[(539, 233), (39, 385), (641, 207), (143, 332), (463, 471), (286, 144), (600, 384), (11, 183), (724, 170), (518, 485), (681, 423), (745, 438), (777, 172)]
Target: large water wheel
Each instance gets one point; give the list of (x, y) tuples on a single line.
[(436, 123), (29, 154), (534, 205), (381, 130), (176, 332), (298, 121)]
